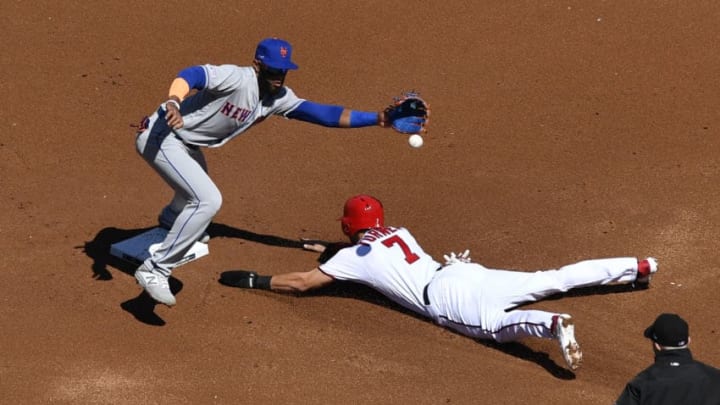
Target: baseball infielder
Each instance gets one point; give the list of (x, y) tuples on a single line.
[(228, 101), (466, 297)]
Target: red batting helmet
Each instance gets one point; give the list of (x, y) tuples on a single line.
[(362, 212)]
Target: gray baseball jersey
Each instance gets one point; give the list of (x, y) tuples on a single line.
[(228, 106)]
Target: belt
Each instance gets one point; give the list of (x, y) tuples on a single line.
[(426, 299), (189, 145)]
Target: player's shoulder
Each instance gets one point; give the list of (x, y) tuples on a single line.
[(403, 230), (284, 101), (229, 69), (287, 92), (228, 66), (710, 370)]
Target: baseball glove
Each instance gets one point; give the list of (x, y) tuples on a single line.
[(408, 114)]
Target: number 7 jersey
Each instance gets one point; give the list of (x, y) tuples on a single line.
[(389, 260)]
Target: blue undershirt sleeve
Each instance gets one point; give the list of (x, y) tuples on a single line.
[(329, 115), (321, 114), (195, 76), (363, 119)]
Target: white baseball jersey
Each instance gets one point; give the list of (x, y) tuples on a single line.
[(229, 105), (467, 297), (389, 260)]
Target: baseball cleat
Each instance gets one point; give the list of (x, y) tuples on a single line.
[(565, 334), (155, 284), (646, 269)]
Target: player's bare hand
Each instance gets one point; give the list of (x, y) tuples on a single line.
[(313, 245), (326, 249), (453, 258), (173, 116), (384, 120)]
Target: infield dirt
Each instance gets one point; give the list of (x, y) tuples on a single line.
[(560, 131)]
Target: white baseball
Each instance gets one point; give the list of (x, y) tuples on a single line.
[(415, 140)]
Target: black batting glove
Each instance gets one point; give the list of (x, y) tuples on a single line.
[(244, 279)]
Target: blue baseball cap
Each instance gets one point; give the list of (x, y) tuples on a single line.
[(275, 53)]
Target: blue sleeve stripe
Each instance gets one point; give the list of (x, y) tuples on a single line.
[(195, 76), (363, 119), (322, 114)]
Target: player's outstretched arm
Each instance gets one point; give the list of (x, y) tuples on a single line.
[(334, 115), (300, 281), (287, 282), (408, 115)]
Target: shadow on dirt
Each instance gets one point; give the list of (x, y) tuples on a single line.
[(216, 230), (98, 249), (142, 307), (345, 289)]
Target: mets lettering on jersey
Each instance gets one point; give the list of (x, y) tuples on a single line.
[(235, 112)]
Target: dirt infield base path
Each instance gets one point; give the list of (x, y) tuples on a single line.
[(560, 131)]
